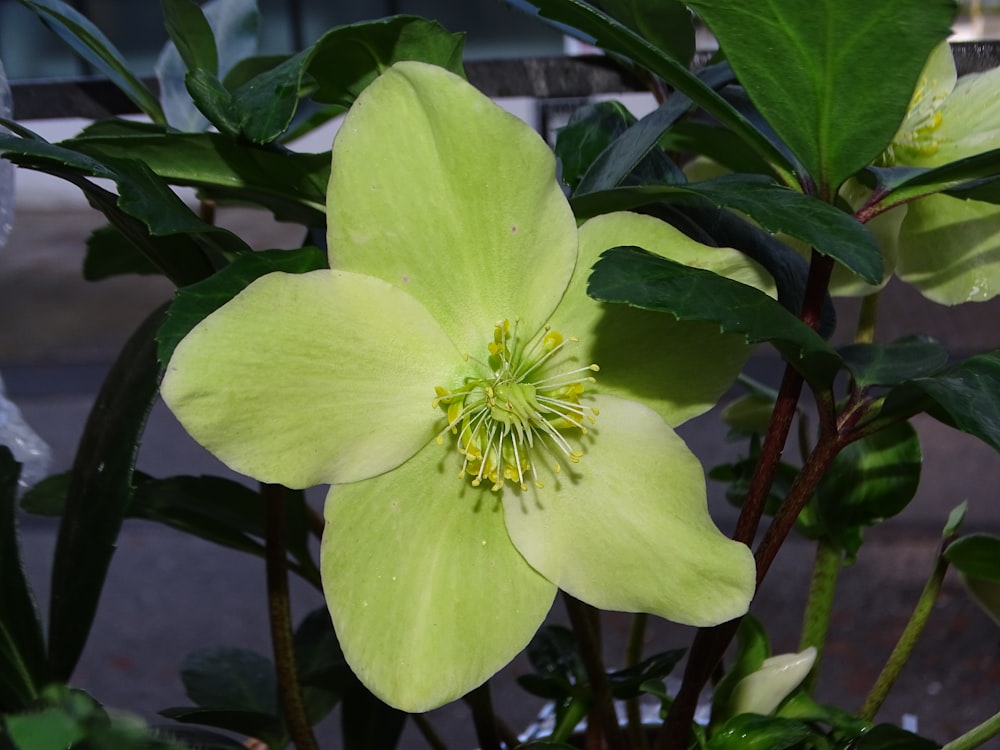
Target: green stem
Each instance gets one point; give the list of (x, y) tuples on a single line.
[(977, 736), (907, 640), (280, 612), (633, 655), (586, 627), (819, 605)]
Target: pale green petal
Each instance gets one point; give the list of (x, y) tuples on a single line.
[(761, 692), (428, 595), (627, 528), (970, 119), (935, 84), (680, 369), (313, 378), (439, 191), (950, 249)]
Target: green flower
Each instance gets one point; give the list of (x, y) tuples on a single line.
[(443, 378), (948, 248)]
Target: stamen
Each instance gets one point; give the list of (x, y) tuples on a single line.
[(505, 420)]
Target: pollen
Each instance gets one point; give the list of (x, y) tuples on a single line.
[(525, 405)]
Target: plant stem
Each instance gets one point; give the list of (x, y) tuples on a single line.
[(976, 736), (633, 655), (483, 717), (907, 639), (427, 731), (280, 611), (586, 627), (819, 605)]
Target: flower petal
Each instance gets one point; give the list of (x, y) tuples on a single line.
[(437, 190), (761, 692), (627, 528), (428, 595), (680, 369), (949, 249), (313, 378)]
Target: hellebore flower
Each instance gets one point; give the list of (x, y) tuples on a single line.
[(948, 248), (478, 456)]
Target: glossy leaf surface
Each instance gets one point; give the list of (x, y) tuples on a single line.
[(815, 86)]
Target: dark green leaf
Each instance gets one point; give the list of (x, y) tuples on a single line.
[(889, 737), (755, 732), (633, 276), (775, 208), (369, 724), (91, 44), (226, 677), (720, 145), (227, 513), (292, 185), (194, 737), (193, 304), (99, 493), (666, 23), (976, 556), (870, 480), (110, 253), (966, 396), (624, 155), (971, 178), (545, 745), (234, 26), (891, 364), (619, 39), (595, 127), (628, 683), (48, 497), (214, 101), (192, 36), (22, 644), (814, 85), (553, 651), (548, 687), (348, 58), (257, 724)]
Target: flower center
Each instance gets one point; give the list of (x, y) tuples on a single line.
[(521, 412)]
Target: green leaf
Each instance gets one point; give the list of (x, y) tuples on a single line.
[(955, 519), (92, 45), (193, 304), (891, 364), (971, 178), (292, 185), (189, 31), (628, 683), (227, 513), (22, 644), (234, 26), (755, 732), (976, 556), (145, 209), (815, 85), (619, 39), (48, 497), (110, 253), (966, 396), (889, 737), (666, 23), (870, 480), (775, 208), (623, 156), (224, 677), (635, 277), (214, 101), (257, 724), (99, 494)]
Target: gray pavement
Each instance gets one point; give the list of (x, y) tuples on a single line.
[(168, 594)]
